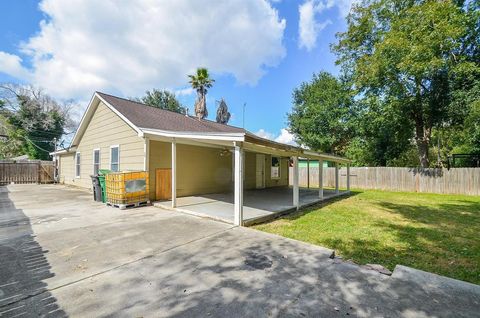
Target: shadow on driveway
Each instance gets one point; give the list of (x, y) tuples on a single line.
[(23, 266)]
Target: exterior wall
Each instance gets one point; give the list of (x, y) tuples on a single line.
[(104, 130), (250, 175), (160, 156), (66, 167), (200, 170)]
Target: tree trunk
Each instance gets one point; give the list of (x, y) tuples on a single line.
[(422, 146), (422, 133)]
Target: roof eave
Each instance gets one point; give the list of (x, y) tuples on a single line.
[(295, 149), (240, 137)]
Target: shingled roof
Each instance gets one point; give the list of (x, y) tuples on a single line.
[(144, 116)]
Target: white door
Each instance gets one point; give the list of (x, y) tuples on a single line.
[(260, 171)]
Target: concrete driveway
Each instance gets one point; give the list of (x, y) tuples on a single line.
[(63, 255)]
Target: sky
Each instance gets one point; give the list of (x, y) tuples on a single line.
[(258, 51)]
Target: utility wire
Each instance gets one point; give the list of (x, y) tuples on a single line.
[(28, 139)]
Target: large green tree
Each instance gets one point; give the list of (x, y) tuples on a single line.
[(162, 99), (407, 53), (380, 134), (32, 122), (322, 116), (201, 82)]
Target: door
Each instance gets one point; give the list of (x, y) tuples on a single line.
[(163, 183), (260, 171)]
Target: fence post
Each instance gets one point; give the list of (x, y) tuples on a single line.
[(39, 171)]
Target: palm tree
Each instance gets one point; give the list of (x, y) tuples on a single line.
[(200, 82)]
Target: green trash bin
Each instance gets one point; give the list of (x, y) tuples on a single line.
[(101, 178)]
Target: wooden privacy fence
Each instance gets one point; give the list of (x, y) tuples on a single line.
[(26, 172), (430, 180)]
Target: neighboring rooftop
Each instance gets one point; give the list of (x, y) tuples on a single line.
[(144, 116)]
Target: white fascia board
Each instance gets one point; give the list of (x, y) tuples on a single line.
[(253, 147), (326, 156), (195, 135), (274, 143), (62, 151), (88, 115), (125, 119)]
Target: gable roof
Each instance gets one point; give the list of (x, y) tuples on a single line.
[(148, 120), (144, 116)]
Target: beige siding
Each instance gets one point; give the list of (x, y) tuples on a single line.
[(250, 175), (201, 170), (66, 167), (104, 130)]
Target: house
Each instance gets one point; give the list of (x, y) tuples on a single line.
[(186, 157)]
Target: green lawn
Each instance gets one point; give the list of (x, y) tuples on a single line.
[(431, 232)]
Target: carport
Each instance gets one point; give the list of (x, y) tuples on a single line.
[(259, 205), (251, 197)]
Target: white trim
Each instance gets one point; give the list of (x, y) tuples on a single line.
[(235, 137), (88, 113), (174, 173), (320, 179), (79, 163), (83, 118), (296, 189), (238, 186), (195, 135), (326, 157), (125, 119), (59, 152), (99, 159), (118, 163), (146, 154)]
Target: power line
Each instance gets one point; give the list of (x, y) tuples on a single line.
[(26, 138)]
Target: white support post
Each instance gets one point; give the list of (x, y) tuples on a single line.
[(320, 179), (238, 189), (174, 173), (308, 173), (348, 177), (146, 154), (337, 190), (296, 191)]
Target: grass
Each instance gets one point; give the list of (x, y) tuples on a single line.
[(431, 232)]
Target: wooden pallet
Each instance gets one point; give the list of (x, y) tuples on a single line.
[(129, 205)]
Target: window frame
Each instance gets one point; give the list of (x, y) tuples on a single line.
[(279, 168), (118, 157), (99, 160), (78, 166)]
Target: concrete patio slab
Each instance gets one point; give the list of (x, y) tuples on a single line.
[(61, 255), (259, 205)]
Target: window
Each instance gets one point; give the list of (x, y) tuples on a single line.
[(77, 164), (96, 161), (275, 168), (114, 158)]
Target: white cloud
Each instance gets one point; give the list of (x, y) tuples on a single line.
[(264, 134), (184, 91), (129, 47), (284, 136), (12, 65), (309, 27), (344, 6)]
